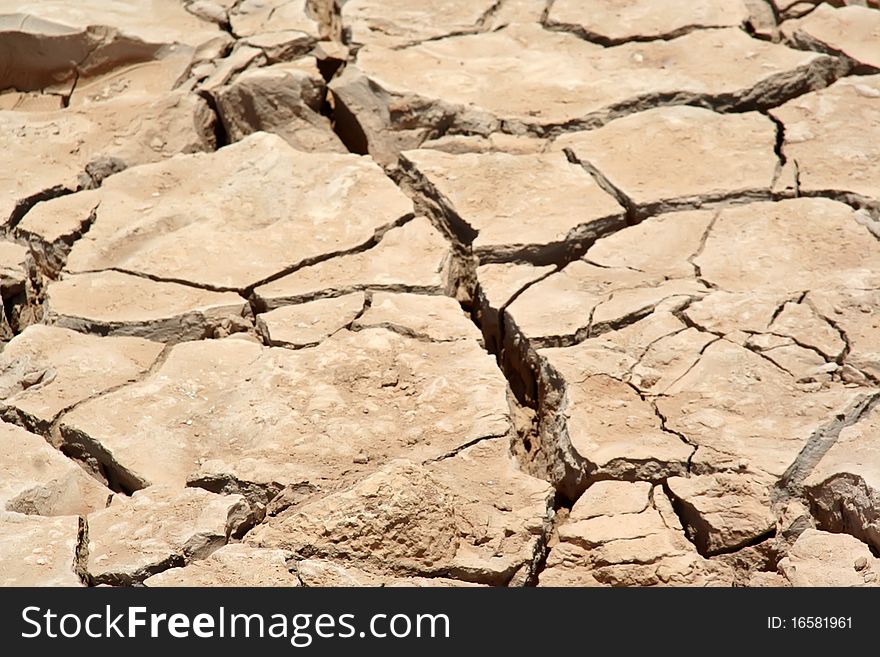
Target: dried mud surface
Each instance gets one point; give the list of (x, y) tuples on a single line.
[(470, 293)]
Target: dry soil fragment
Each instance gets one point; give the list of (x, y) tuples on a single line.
[(496, 286), (36, 479), (787, 9), (834, 137), (285, 99), (156, 21), (47, 153), (232, 411), (636, 543), (615, 433), (681, 156), (231, 565), (38, 551), (822, 559), (789, 247), (112, 303), (745, 413), (397, 23), (52, 226), (612, 21), (94, 51), (533, 207), (411, 258), (435, 318), (246, 212), (568, 305), (851, 31), (307, 324), (251, 17), (158, 528), (674, 237), (473, 516), (320, 572), (723, 512), (479, 84), (856, 314), (47, 369), (844, 487)]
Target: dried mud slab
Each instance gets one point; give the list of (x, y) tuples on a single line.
[(627, 534), (413, 258), (738, 377), (394, 101), (472, 517), (38, 551), (404, 22), (59, 148), (96, 50), (788, 9), (611, 22), (232, 414), (844, 486), (513, 207), (822, 559), (431, 318), (308, 324), (853, 32), (234, 564), (46, 370), (284, 99), (153, 21), (672, 157), (723, 512), (294, 17), (233, 207), (829, 135), (36, 479), (113, 303), (321, 572), (159, 528)]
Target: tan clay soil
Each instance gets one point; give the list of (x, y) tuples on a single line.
[(460, 293)]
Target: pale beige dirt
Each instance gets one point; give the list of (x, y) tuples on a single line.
[(449, 293)]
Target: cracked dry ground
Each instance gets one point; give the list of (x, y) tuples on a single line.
[(472, 292)]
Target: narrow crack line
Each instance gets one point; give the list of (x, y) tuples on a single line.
[(704, 239), (691, 367), (404, 331), (641, 356), (793, 298), (598, 39), (847, 345), (778, 147), (457, 450), (489, 14), (606, 185), (601, 266), (159, 279), (828, 358), (755, 350), (468, 31), (308, 262), (818, 444)]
